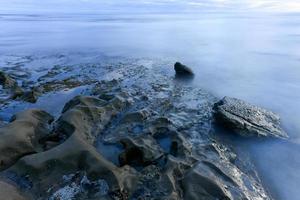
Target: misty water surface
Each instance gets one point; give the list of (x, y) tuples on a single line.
[(252, 56)]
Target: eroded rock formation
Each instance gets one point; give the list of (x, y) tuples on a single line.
[(248, 120)]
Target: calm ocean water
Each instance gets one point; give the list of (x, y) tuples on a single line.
[(252, 56)]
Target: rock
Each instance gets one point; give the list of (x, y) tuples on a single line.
[(6, 81), (155, 183), (215, 176), (10, 84), (82, 120), (31, 96), (248, 120), (10, 192), (21, 136), (135, 117), (157, 161), (203, 185), (140, 151), (182, 69)]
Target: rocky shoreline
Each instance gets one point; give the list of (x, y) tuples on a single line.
[(139, 134)]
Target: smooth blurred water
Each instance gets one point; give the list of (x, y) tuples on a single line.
[(252, 56)]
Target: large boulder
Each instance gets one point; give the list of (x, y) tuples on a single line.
[(248, 120)]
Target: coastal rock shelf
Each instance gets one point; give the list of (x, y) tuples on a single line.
[(139, 136)]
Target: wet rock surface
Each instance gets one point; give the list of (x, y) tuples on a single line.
[(135, 134), (22, 136), (11, 85), (248, 120), (10, 192)]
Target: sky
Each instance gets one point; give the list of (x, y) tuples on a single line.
[(149, 5)]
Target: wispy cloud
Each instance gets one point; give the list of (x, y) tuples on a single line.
[(166, 5)]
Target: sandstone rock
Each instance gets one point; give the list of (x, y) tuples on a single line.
[(141, 151), (82, 120), (181, 69), (22, 135), (248, 120), (198, 186), (10, 192), (154, 183), (135, 117), (214, 179)]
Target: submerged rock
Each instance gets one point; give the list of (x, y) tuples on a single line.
[(248, 120), (182, 69)]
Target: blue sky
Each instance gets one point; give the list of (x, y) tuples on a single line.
[(150, 5)]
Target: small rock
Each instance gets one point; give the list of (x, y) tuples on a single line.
[(182, 69), (30, 96), (6, 81), (248, 120), (10, 84)]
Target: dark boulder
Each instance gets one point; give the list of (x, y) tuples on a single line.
[(182, 70), (248, 120)]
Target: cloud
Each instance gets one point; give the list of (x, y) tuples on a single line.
[(150, 5)]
